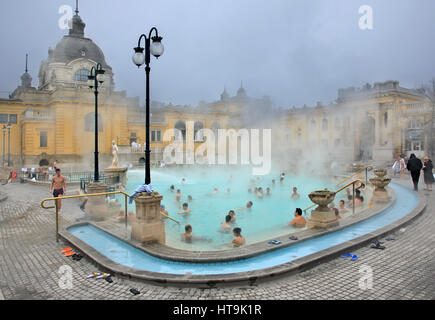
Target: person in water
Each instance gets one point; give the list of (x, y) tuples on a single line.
[(341, 207), (268, 191), (185, 209), (163, 209), (295, 194), (178, 196), (215, 190), (189, 198), (187, 236), (298, 221), (337, 213), (238, 240), (225, 226), (172, 188), (260, 192), (232, 214), (248, 206)]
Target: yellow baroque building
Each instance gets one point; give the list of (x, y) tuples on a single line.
[(55, 121)]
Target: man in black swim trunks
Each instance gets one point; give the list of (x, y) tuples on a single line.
[(58, 187)]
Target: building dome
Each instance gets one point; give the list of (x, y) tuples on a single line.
[(68, 64), (74, 46)]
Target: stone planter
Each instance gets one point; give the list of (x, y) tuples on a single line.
[(322, 198), (380, 172), (322, 216), (380, 194)]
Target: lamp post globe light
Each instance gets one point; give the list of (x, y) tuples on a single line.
[(96, 77), (142, 55)]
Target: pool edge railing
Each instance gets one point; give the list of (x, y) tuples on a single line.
[(366, 168), (126, 196), (352, 183)]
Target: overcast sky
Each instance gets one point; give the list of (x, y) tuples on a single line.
[(296, 51)]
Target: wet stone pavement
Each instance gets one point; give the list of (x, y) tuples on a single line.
[(30, 261)]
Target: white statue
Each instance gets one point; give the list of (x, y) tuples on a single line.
[(115, 155)]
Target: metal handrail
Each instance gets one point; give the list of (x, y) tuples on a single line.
[(339, 190), (126, 195), (366, 168)]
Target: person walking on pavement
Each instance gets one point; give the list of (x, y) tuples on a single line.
[(414, 166), (428, 175)]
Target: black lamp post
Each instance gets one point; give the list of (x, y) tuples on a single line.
[(96, 77), (4, 143), (9, 144), (139, 58)]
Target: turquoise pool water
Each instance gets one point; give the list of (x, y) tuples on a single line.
[(127, 255), (268, 218)]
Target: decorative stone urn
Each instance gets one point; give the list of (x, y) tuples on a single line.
[(358, 167), (380, 194), (322, 216), (96, 207), (120, 172), (148, 225)]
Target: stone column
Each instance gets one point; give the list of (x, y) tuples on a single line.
[(148, 225), (96, 208)]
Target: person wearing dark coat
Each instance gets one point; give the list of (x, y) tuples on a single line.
[(428, 175), (414, 165)]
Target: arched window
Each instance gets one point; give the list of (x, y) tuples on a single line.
[(43, 163), (180, 125), (386, 119), (81, 75), (325, 124), (313, 123), (90, 122), (198, 136), (337, 123)]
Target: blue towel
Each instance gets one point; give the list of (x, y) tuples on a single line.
[(142, 188)]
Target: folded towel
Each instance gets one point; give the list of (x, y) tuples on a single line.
[(142, 188)]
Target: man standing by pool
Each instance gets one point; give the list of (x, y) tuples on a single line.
[(58, 187)]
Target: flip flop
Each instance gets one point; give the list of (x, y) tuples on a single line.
[(377, 246), (354, 257), (77, 257), (66, 249), (134, 291), (103, 276), (69, 253), (389, 239), (95, 274), (108, 279), (347, 255)]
